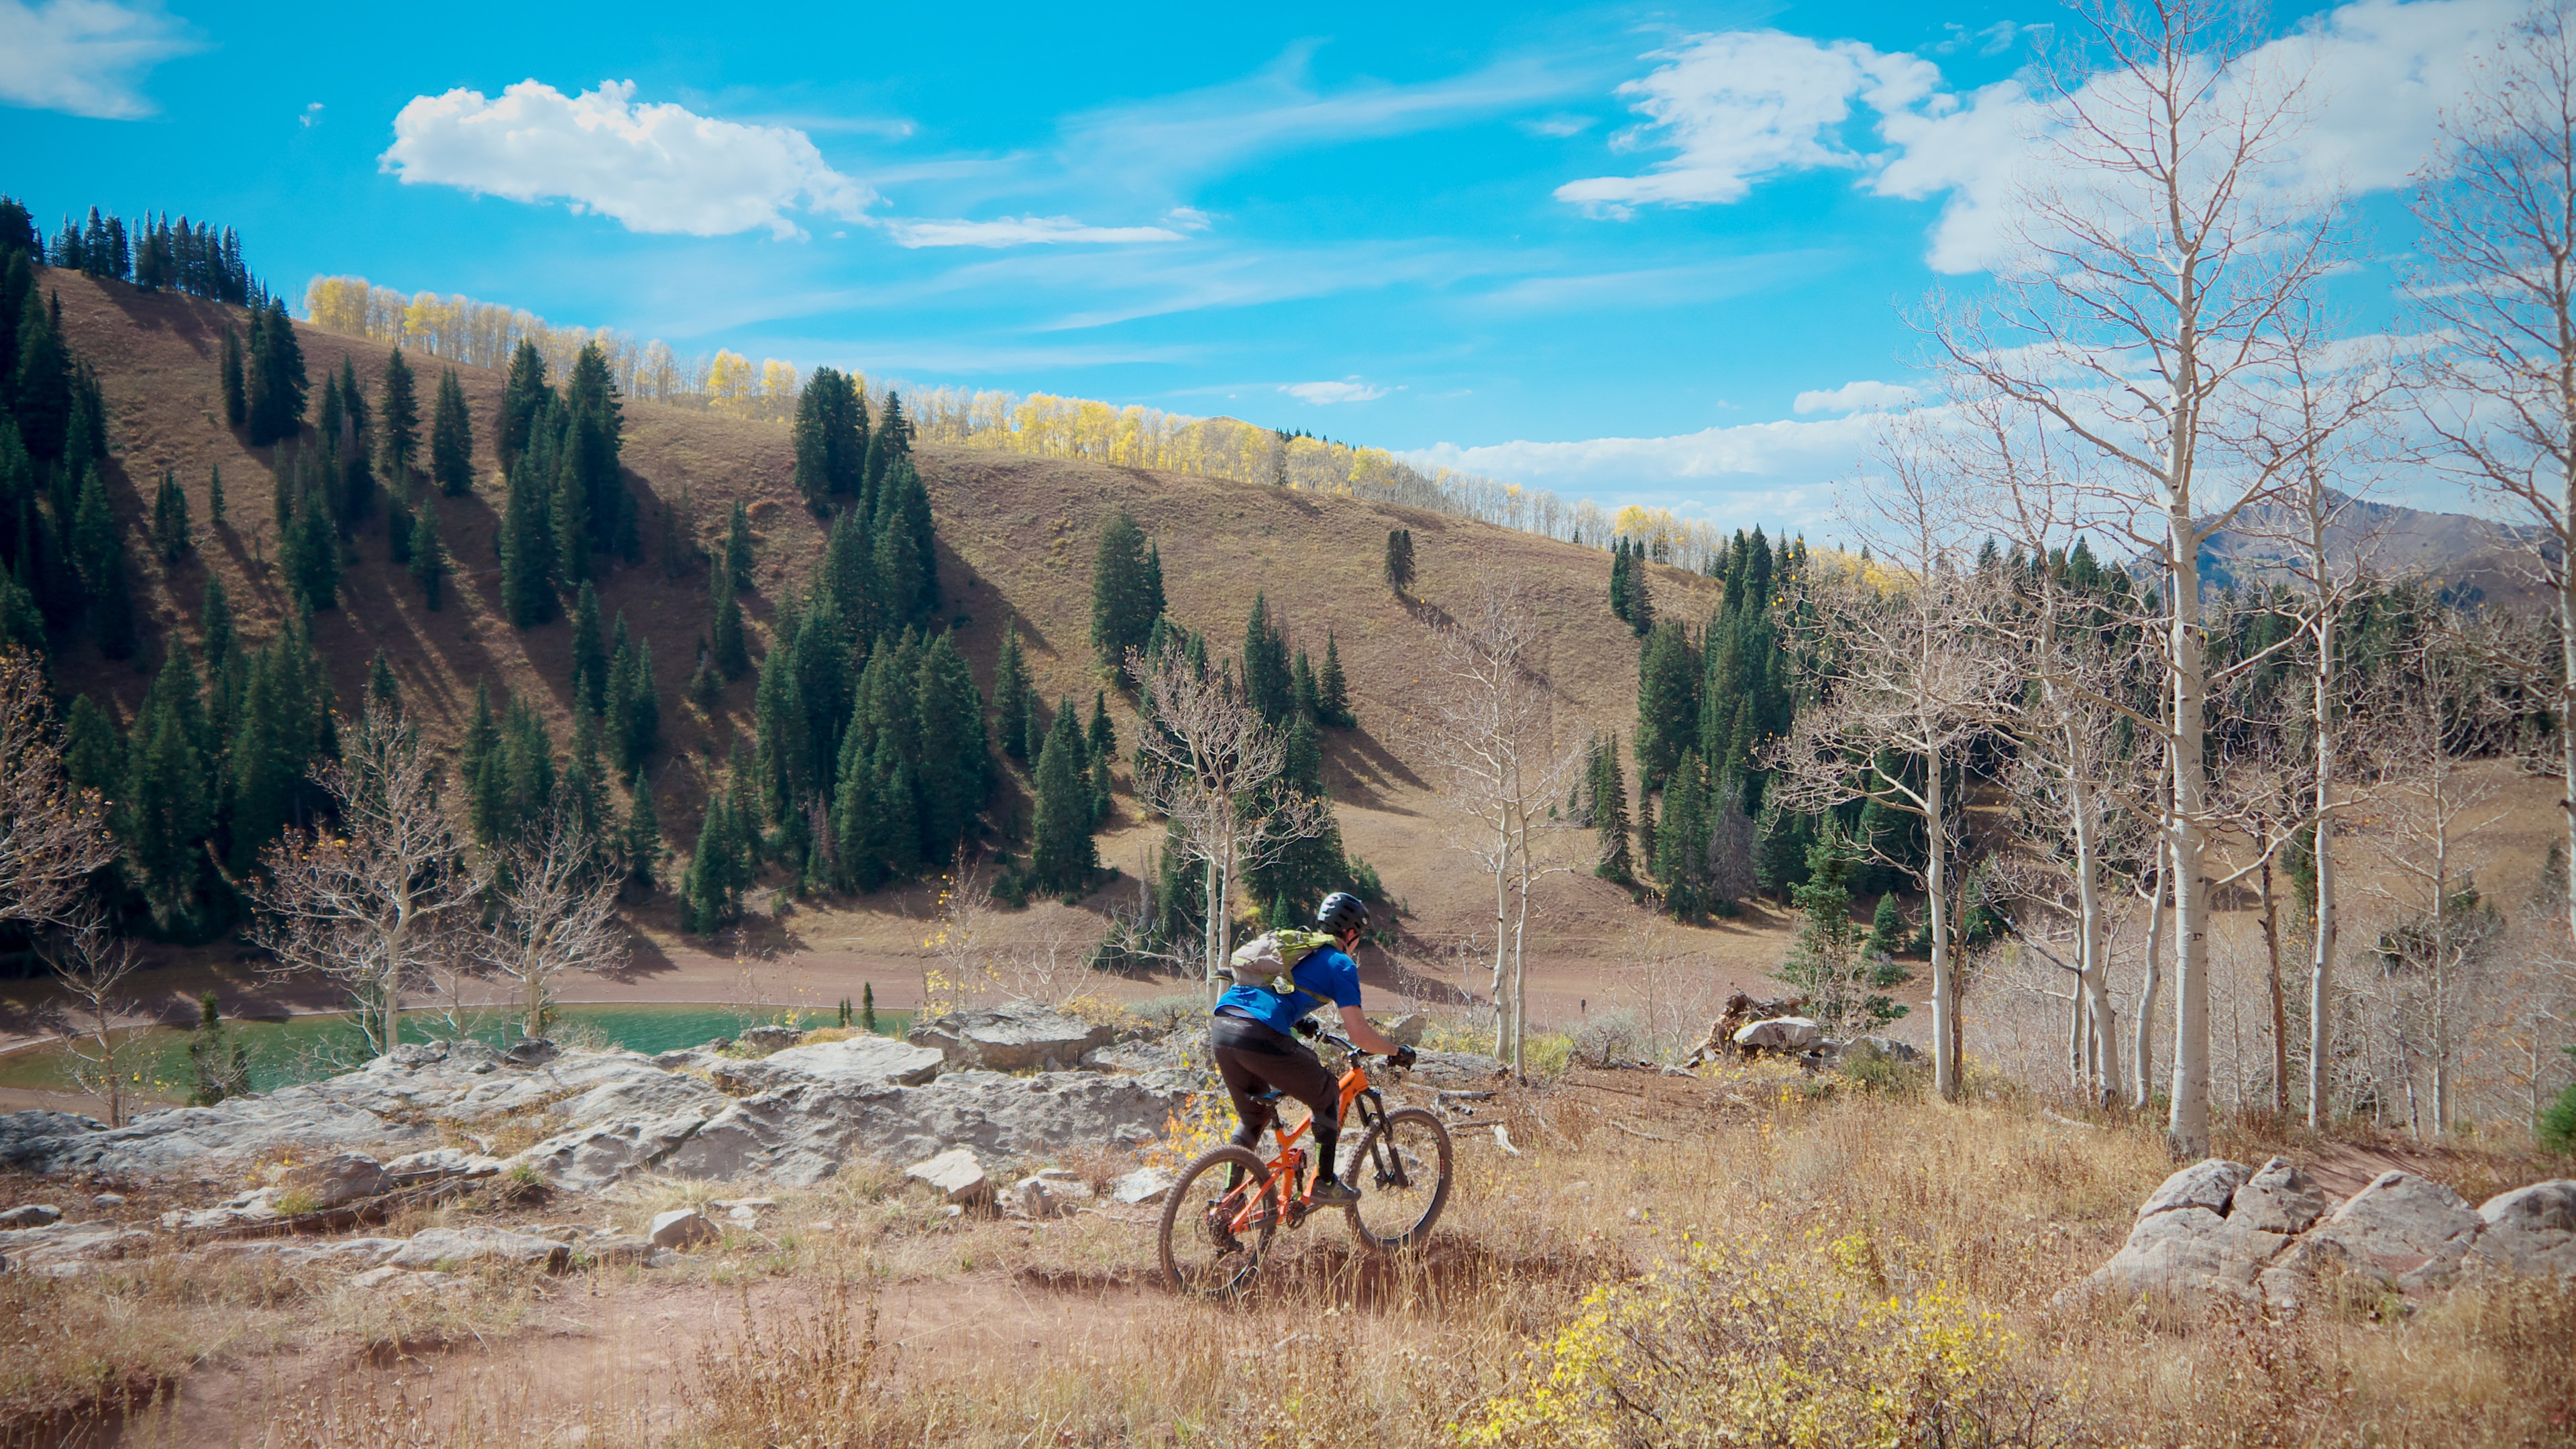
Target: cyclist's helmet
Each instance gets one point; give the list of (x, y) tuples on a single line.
[(1341, 911)]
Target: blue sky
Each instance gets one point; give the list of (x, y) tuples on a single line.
[(1637, 254)]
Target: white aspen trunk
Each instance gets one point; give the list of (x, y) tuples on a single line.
[(2094, 969), (2321, 957), (2567, 663), (1503, 988), (1520, 960), (2142, 1087), (2441, 957), (2187, 1125), (2280, 1003), (1936, 900), (1220, 930)]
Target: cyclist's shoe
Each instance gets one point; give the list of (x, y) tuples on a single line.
[(1332, 1192)]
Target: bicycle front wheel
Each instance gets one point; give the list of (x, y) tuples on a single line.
[(1402, 1170), (1203, 1253)]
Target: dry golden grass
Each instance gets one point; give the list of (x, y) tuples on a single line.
[(1916, 1248)]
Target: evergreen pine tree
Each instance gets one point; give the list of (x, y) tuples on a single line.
[(166, 808), (451, 438), (99, 548), (93, 757), (737, 548), (1609, 792), (589, 655), (704, 689), (952, 755), (1154, 603), (1619, 579), (277, 385), (309, 555), (41, 383), (523, 399), (831, 434), (236, 397), (1122, 612), (1011, 694), (1332, 692), (1667, 703), (217, 1066), (643, 727), (397, 423), (384, 692), (527, 548), (642, 851), (1681, 840), (1061, 854), (170, 520), (1399, 560), (215, 496), (1268, 685), (585, 784), (618, 699), (478, 767), (1100, 740), (594, 445), (1302, 691), (429, 561), (1887, 929), (215, 629), (711, 902), (732, 655), (889, 443)]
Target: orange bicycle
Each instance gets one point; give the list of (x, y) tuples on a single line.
[(1215, 1231)]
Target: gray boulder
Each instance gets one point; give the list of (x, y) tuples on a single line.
[(682, 1228), (446, 1249), (1778, 1034), (2530, 1230), (62, 1249), (859, 1061), (617, 1250), (2187, 1250), (1143, 1187), (2277, 1199), (2406, 1230), (772, 1038), (344, 1254), (31, 1215), (1050, 1193), (2206, 1184), (1456, 1071), (31, 1139), (1406, 1030), (1878, 1049), (1018, 1036), (334, 1181), (955, 1174)]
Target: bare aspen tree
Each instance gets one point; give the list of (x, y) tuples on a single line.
[(2159, 232), (2498, 236), (52, 837), (1488, 731), (372, 902), (2437, 717), (554, 909), (1211, 764), (1905, 668), (92, 962)]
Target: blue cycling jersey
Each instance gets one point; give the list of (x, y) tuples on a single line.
[(1325, 975)]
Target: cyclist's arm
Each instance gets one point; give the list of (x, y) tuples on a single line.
[(1356, 1026)]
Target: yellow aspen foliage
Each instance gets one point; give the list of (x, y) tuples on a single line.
[(728, 384)]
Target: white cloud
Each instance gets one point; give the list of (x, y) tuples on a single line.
[(85, 57), (656, 167), (1012, 231), (1747, 104), (312, 115), (1323, 394), (1855, 397), (1559, 125), (2379, 74), (1805, 453)]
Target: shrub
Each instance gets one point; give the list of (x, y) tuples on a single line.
[(1618, 1034), (2558, 1121), (1744, 1346)]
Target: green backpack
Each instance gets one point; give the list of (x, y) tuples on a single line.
[(1266, 959)]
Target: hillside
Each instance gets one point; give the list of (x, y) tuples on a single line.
[(1017, 535), (2474, 561)]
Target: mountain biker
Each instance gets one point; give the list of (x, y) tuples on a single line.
[(1253, 1048)]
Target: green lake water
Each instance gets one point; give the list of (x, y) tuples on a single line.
[(288, 1050)]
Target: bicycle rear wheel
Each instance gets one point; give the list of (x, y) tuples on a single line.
[(1200, 1256), (1402, 1170)]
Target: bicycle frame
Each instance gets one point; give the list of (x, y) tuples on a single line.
[(1277, 1190)]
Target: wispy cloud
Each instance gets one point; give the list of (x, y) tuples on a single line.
[(1348, 390), (1855, 397), (1656, 286), (656, 167), (1011, 231), (85, 57)]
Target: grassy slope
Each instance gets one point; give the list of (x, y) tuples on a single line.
[(1017, 535)]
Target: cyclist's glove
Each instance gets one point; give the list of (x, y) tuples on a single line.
[(1403, 1058)]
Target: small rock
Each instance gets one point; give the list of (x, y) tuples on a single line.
[(1051, 1195), (1143, 1187), (663, 1258), (742, 1217), (2277, 1199), (533, 1051), (440, 1247), (32, 1215), (683, 1228), (108, 1200), (619, 1250), (957, 1175), (335, 1181), (1406, 1030), (772, 1038), (2206, 1184)]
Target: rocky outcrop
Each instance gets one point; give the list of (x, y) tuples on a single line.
[(1783, 1034), (60, 1248), (2265, 1238), (1020, 1036), (431, 1113), (447, 1249)]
